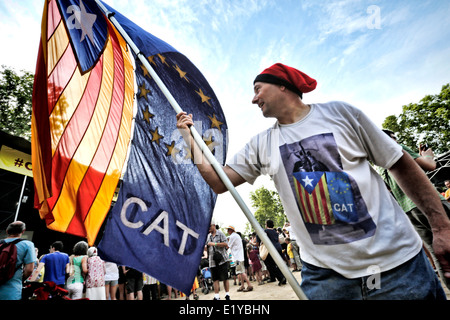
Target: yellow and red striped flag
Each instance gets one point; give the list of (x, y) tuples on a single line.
[(313, 197), (82, 114)]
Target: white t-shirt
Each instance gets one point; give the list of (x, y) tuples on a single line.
[(343, 216), (236, 247), (112, 271)]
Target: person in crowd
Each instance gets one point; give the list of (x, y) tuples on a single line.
[(281, 238), (290, 253), (274, 271), (218, 263), (122, 283), (150, 289), (170, 289), (78, 270), (134, 283), (264, 271), (56, 265), (40, 276), (25, 261), (237, 251), (252, 252), (447, 192), (95, 280), (295, 247), (246, 262), (325, 150), (111, 280)]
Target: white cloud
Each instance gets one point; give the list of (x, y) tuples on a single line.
[(342, 17)]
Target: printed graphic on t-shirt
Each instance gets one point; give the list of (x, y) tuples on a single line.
[(328, 198)]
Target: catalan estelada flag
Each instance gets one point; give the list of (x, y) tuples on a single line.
[(313, 197), (82, 114)]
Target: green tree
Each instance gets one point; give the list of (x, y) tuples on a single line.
[(16, 91), (268, 205), (425, 122)]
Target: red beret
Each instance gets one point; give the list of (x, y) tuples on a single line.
[(289, 77)]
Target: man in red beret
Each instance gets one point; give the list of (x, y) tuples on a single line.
[(355, 240)]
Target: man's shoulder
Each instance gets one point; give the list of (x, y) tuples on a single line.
[(234, 235), (336, 104), (220, 232), (56, 255), (29, 244), (23, 242), (64, 256)]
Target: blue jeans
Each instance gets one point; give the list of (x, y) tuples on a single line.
[(413, 280)]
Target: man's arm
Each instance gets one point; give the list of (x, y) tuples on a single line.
[(184, 121), (416, 185), (28, 269), (218, 244)]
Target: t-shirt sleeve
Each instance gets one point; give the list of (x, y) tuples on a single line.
[(381, 149), (30, 255), (246, 162)]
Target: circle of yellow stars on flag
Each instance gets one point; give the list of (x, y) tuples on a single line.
[(340, 190), (144, 92)]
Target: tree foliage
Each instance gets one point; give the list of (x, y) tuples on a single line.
[(16, 91), (425, 122), (268, 205)]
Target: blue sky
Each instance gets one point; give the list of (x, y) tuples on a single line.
[(376, 55)]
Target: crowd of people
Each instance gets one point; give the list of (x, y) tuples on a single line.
[(238, 258), (82, 273), (86, 276)]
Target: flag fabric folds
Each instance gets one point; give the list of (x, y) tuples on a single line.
[(83, 100), (161, 219)]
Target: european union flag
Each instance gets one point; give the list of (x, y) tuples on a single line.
[(161, 219), (341, 196)]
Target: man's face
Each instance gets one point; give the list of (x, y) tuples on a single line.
[(266, 97), (212, 227), (447, 184)]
